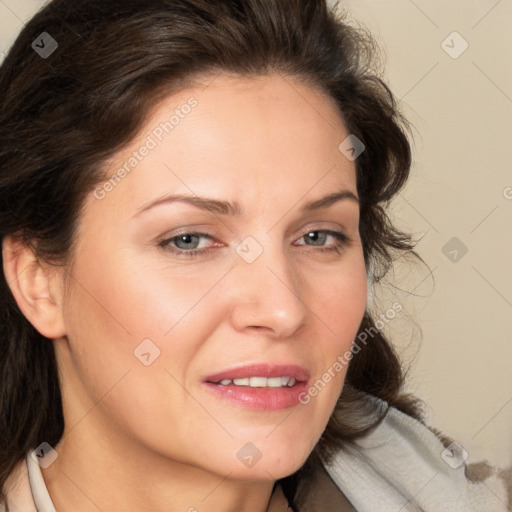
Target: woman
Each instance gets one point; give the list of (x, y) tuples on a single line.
[(192, 208)]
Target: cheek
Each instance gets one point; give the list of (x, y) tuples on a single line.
[(341, 301), (107, 319), (340, 307), (123, 313), (125, 302)]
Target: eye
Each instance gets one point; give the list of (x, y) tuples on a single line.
[(186, 244), (320, 236), (189, 245)]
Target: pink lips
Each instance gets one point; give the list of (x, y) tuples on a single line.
[(264, 398)]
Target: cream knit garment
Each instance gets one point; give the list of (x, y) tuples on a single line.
[(402, 466)]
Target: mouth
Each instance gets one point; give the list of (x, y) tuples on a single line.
[(261, 375), (260, 386), (260, 382)]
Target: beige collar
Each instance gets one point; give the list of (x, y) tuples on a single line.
[(17, 490)]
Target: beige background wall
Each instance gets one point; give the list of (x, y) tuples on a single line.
[(461, 187), (462, 111)]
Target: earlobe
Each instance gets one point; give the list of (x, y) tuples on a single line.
[(36, 287)]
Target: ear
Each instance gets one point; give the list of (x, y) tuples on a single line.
[(36, 286)]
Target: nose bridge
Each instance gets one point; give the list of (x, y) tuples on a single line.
[(268, 291)]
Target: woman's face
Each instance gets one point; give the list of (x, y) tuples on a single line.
[(263, 288)]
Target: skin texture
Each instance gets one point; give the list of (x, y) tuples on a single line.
[(153, 437)]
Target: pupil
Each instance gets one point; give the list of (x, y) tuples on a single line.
[(314, 236), (186, 240)]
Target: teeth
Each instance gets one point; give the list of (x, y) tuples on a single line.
[(260, 382), (274, 382)]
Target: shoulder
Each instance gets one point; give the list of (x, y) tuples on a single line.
[(403, 465), (17, 490)]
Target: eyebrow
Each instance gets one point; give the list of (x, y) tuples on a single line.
[(220, 207)]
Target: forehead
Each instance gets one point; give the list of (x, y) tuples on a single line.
[(241, 135)]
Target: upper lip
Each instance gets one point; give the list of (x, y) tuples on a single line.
[(299, 373)]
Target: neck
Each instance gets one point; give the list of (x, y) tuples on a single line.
[(111, 473)]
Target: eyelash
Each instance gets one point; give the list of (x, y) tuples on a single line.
[(341, 242)]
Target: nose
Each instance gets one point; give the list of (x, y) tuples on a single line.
[(268, 295)]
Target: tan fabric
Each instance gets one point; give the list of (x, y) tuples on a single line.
[(17, 488), (321, 494), (278, 502)]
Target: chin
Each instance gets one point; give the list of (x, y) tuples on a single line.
[(272, 464)]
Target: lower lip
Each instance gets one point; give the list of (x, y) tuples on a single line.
[(262, 399)]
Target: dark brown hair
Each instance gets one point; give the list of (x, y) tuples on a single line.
[(62, 117)]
